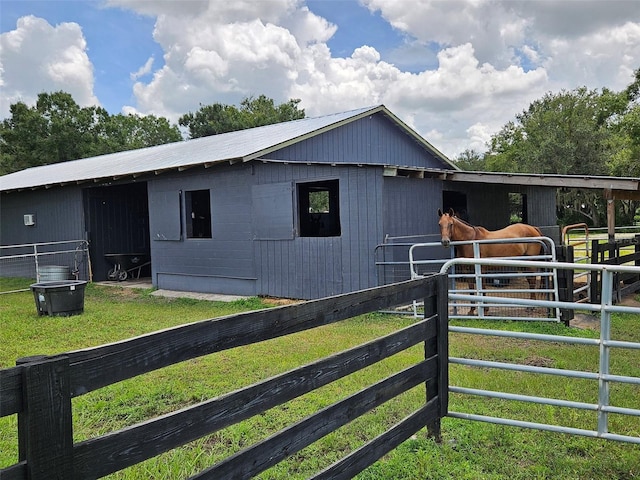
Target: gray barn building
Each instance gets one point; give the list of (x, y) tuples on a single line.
[(291, 210)]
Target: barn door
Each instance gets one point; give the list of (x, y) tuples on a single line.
[(118, 222)]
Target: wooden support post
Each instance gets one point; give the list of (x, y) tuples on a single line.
[(611, 219), (611, 214), (45, 432)]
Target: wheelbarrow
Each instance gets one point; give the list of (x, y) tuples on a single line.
[(126, 265)]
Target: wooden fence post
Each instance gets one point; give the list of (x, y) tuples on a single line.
[(564, 253), (45, 432), (595, 277), (439, 345)]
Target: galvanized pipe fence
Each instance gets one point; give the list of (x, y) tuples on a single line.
[(602, 408), (485, 283), (30, 261)]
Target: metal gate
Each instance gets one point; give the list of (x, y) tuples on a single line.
[(29, 261), (602, 407), (483, 283)]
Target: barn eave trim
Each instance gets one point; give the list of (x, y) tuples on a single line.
[(547, 180)]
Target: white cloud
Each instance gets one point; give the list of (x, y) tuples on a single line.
[(38, 57), (589, 42), (487, 69), (209, 58), (143, 70), (564, 44), (607, 57)]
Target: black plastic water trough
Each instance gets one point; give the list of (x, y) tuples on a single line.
[(62, 298)]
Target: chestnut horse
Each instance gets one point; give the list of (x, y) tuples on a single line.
[(454, 229)]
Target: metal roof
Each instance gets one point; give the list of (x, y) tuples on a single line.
[(243, 145)]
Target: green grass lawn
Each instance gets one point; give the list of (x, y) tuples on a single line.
[(469, 449)]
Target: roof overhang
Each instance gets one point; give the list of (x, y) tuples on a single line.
[(622, 188)]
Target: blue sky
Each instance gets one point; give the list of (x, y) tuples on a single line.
[(111, 31), (108, 31), (456, 71)]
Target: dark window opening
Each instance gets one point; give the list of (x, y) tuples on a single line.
[(518, 212), (457, 201), (318, 204), (198, 213)]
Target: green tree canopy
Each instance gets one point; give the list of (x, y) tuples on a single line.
[(578, 132), (567, 133), (471, 160), (253, 112), (57, 129)]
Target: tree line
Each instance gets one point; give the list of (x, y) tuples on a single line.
[(56, 129), (577, 132)]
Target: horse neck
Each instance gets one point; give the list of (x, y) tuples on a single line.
[(463, 231)]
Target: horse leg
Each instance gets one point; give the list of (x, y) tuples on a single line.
[(481, 293), (533, 286)]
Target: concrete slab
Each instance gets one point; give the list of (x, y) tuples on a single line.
[(145, 284), (213, 297)]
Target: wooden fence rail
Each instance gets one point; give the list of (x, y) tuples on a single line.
[(610, 252), (39, 389)]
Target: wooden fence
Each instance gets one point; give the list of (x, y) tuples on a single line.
[(39, 389), (610, 252)]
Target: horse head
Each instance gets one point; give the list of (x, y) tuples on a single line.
[(446, 226)]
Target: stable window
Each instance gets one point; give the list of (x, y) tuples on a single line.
[(319, 212), (456, 201), (518, 208), (198, 213)]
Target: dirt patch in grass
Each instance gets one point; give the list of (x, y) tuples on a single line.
[(537, 361), (279, 301)]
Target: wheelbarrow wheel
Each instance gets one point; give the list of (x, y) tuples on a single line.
[(122, 275), (112, 274)]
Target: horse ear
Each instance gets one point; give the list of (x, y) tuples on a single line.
[(452, 213), (439, 212)]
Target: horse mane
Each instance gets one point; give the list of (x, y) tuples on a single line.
[(464, 222)]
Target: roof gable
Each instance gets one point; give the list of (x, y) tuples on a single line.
[(375, 139)]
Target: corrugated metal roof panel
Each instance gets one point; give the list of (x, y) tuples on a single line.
[(240, 145)]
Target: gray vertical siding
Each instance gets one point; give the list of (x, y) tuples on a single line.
[(488, 205), (371, 140), (411, 205), (59, 216), (223, 263), (313, 267), (362, 226), (542, 205), (410, 210)]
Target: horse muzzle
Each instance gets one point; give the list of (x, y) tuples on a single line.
[(445, 242)]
